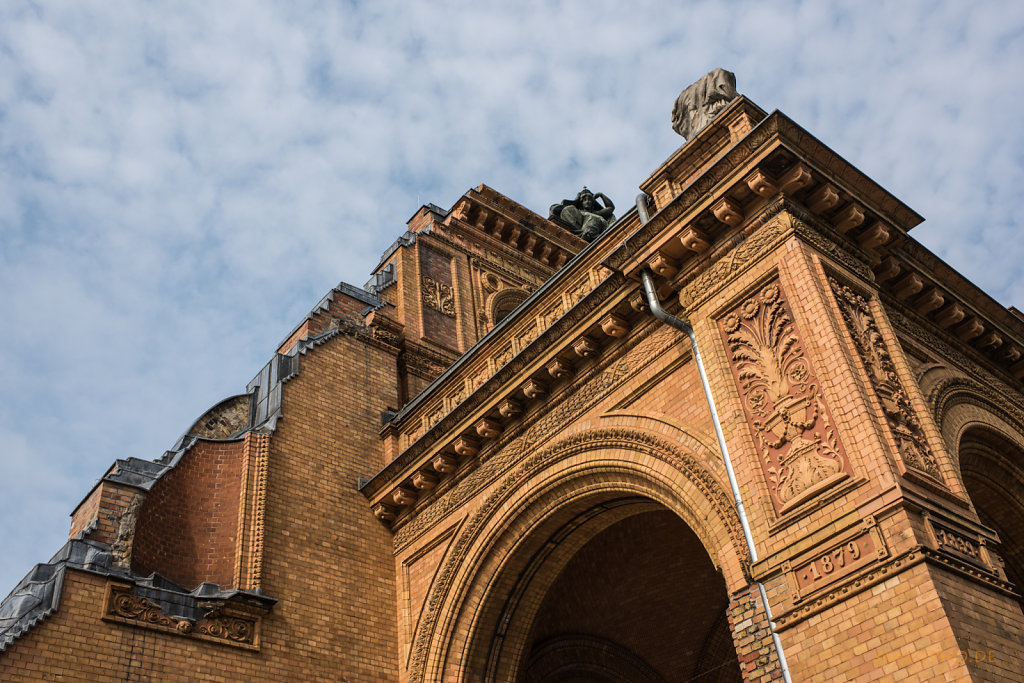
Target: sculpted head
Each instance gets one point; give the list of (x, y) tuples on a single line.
[(698, 104), (586, 200)]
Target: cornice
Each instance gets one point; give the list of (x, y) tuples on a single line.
[(500, 382), (772, 145)]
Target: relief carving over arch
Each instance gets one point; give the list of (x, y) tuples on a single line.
[(789, 419), (721, 513)]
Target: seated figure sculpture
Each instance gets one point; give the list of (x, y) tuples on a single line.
[(698, 104), (585, 215)]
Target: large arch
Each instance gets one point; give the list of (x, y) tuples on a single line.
[(479, 614)]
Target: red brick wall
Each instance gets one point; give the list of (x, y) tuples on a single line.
[(187, 526)]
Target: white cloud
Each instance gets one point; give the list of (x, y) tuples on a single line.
[(184, 180)]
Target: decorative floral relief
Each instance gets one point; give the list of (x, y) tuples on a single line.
[(126, 607), (903, 423), (438, 296), (788, 417)]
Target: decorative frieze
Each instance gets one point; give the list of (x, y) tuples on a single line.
[(903, 423), (221, 625), (791, 424)]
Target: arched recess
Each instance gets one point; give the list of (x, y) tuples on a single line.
[(985, 434), (479, 615), (992, 467)]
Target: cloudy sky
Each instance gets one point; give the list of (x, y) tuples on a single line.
[(180, 182)]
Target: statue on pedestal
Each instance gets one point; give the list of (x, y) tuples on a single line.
[(698, 104)]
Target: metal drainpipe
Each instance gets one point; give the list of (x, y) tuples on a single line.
[(683, 326)]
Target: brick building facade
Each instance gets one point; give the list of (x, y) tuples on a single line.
[(494, 462)]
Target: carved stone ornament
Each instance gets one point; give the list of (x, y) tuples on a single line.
[(698, 104), (903, 423), (124, 606), (121, 548), (788, 417), (438, 296)]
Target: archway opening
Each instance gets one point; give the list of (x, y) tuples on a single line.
[(641, 602), (993, 473)]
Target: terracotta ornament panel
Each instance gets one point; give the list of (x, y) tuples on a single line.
[(790, 422), (903, 423), (438, 296), (221, 625)]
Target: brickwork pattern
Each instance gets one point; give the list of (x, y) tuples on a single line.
[(188, 524)]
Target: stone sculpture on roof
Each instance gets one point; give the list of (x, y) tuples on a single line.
[(698, 104), (585, 215)]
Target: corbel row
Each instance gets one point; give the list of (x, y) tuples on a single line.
[(511, 232), (949, 313), (774, 176), (525, 395)]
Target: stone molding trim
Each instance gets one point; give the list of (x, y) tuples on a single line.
[(734, 262), (949, 393), (904, 426), (641, 443), (505, 300), (496, 382), (965, 550), (225, 625), (790, 422), (874, 574), (776, 128), (777, 221)]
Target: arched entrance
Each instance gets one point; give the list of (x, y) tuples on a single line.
[(993, 474), (594, 561), (641, 601)]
